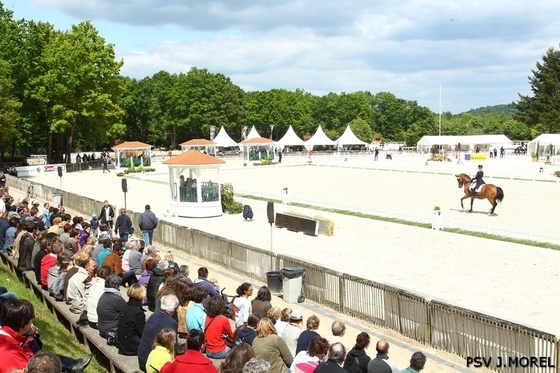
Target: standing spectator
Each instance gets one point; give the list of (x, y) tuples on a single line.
[(78, 158), (336, 356), (307, 335), (280, 325), (261, 304), (131, 321), (216, 327), (270, 347), (193, 360), (123, 225), (110, 305), (147, 223), (95, 291), (162, 350), (381, 363), (357, 359), (376, 154), (105, 161), (159, 320), (417, 362), (293, 330), (244, 291), (106, 216)]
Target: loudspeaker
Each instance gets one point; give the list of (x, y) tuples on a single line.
[(59, 169), (124, 186), (270, 212)]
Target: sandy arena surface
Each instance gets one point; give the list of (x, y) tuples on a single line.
[(515, 282)]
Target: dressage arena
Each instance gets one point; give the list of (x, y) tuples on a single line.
[(515, 282)]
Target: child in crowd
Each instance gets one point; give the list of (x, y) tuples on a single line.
[(162, 350), (215, 284), (169, 256), (94, 223)]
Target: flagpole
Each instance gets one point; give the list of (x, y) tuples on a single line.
[(440, 109)]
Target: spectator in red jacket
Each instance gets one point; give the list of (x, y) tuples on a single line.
[(216, 328), (193, 360), (48, 261)]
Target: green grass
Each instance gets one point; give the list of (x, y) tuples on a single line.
[(519, 241), (56, 338)]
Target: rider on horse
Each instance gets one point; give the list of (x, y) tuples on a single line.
[(477, 181)]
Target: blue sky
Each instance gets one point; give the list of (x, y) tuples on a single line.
[(480, 52)]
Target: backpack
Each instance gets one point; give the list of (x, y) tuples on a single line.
[(231, 309), (247, 212)]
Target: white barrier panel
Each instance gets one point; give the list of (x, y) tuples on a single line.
[(36, 170)]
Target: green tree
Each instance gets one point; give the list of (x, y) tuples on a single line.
[(362, 130), (544, 106), (9, 109)]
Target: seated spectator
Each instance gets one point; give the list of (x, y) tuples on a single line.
[(202, 280), (336, 356), (193, 360), (315, 352), (96, 289), (307, 335), (417, 362), (88, 247), (52, 250), (196, 315), (43, 362), (274, 314), (256, 365), (293, 330), (67, 228), (19, 339), (107, 248), (134, 257), (156, 279), (270, 347), (216, 327), (184, 273), (338, 329), (113, 260), (159, 320), (57, 227), (99, 246), (261, 304), (244, 309), (71, 244), (284, 320), (110, 305), (357, 360), (236, 358), (146, 274), (77, 284), (162, 350), (247, 332), (23, 245), (5, 296), (57, 275), (11, 234), (131, 321), (84, 234)]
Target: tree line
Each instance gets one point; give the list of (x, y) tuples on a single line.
[(62, 91)]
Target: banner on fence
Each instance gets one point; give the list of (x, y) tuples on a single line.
[(36, 170)]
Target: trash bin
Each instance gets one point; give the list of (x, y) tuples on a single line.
[(292, 284), (57, 199), (274, 282)]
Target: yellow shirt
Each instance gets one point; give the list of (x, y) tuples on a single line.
[(157, 358)]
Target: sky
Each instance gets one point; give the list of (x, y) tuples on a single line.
[(448, 55)]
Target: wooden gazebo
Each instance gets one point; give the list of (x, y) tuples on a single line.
[(133, 153), (190, 196), (202, 145), (257, 148)]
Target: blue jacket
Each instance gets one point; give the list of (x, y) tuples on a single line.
[(159, 320), (195, 317)]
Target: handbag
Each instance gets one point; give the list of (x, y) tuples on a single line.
[(112, 339), (131, 230)]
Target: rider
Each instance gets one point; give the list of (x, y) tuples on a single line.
[(477, 181)]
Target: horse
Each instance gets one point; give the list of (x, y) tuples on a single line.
[(493, 193), (520, 150)]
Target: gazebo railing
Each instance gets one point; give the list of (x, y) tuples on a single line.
[(210, 192)]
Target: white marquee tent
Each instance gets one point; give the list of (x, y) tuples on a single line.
[(544, 142), (472, 141), (290, 139), (223, 139), (319, 138), (348, 138), (253, 134)]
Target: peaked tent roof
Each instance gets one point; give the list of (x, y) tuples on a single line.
[(472, 139), (132, 145), (253, 134), (547, 139), (290, 138), (223, 139), (319, 138), (348, 138), (193, 158)]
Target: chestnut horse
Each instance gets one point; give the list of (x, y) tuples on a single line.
[(493, 193)]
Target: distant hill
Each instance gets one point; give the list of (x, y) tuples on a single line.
[(496, 109)]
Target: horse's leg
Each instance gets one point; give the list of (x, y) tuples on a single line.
[(465, 197)]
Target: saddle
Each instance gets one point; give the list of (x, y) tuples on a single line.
[(473, 184)]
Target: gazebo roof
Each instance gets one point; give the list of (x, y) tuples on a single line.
[(257, 141), (132, 145), (193, 158), (198, 142)]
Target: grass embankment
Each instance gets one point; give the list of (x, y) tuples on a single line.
[(56, 338), (519, 241)]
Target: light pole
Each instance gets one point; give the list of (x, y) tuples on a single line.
[(271, 129)]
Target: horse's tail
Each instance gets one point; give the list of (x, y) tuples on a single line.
[(499, 194)]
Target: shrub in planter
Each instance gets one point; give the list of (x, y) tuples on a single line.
[(229, 205)]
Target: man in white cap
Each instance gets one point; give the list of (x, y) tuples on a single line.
[(293, 330)]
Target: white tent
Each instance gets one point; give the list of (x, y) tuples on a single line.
[(319, 138), (348, 138), (290, 139), (223, 139), (472, 141), (253, 134), (544, 142)]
